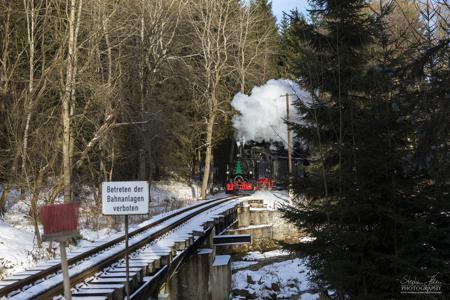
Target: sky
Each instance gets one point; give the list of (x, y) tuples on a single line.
[(279, 6)]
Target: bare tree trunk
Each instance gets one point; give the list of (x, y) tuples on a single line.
[(142, 156), (30, 12), (108, 52), (208, 155), (66, 101), (211, 176), (340, 113), (141, 173), (72, 96), (243, 34), (4, 60), (113, 160), (4, 196), (197, 162), (34, 209), (109, 106), (7, 186)]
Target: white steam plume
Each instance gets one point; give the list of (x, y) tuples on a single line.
[(262, 113)]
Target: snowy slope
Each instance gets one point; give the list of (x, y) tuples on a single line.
[(282, 280), (272, 199), (16, 247)]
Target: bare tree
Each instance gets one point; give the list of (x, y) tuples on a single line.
[(257, 41), (159, 22), (68, 95), (212, 22)]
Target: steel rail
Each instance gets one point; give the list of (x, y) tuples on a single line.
[(53, 291)]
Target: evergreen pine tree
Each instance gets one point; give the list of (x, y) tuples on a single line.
[(374, 216)]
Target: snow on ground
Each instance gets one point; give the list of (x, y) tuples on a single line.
[(307, 239), (162, 190), (18, 249), (17, 214), (15, 249), (272, 199), (237, 265), (273, 274), (92, 236), (256, 255), (281, 280)]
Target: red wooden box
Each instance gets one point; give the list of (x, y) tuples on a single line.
[(60, 221)]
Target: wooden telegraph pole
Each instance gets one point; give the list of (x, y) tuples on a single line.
[(288, 136)]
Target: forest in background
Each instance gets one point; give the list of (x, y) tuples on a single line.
[(94, 91), (376, 194)]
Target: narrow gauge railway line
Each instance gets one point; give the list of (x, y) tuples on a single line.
[(85, 263)]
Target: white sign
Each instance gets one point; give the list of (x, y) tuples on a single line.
[(125, 197)]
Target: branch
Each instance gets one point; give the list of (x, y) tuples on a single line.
[(101, 132), (131, 123)]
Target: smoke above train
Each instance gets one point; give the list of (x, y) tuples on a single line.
[(262, 114)]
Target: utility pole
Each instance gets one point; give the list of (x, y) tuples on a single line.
[(288, 136)]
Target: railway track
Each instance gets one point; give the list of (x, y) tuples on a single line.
[(45, 281)]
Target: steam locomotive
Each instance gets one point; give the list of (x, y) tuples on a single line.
[(258, 167)]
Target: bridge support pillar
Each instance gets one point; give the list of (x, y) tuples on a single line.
[(221, 277), (244, 215), (192, 280)]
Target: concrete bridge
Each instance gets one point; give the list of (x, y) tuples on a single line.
[(206, 273), (183, 254)]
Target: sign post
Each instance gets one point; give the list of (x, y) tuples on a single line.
[(124, 198), (127, 264), (60, 225)]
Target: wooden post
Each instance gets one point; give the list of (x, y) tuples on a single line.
[(60, 225), (288, 136), (127, 267), (65, 271)]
